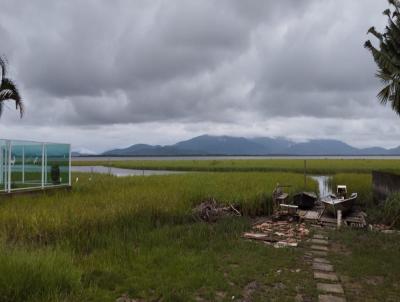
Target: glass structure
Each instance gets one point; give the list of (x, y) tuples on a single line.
[(26, 165)]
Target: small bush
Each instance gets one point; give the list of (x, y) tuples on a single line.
[(391, 210)]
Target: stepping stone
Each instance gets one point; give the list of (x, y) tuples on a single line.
[(330, 288), (322, 260), (319, 236), (319, 253), (322, 267), (326, 276), (319, 247), (330, 298), (319, 241)]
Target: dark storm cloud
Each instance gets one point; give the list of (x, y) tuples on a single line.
[(181, 64), (150, 54)]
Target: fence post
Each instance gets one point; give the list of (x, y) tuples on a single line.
[(9, 167), (1, 164), (42, 165), (69, 165), (23, 164)]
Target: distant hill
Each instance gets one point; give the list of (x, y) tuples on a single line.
[(221, 145), (228, 145), (321, 147)]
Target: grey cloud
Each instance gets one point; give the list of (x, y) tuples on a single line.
[(205, 64)]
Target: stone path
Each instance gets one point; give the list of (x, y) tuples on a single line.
[(328, 284)]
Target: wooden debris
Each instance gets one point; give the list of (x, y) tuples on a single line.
[(210, 211), (281, 233)]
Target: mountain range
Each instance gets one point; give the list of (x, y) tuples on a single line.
[(229, 145)]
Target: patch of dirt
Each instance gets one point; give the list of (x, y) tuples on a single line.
[(374, 280), (339, 249), (279, 286), (249, 291), (220, 295), (126, 298), (354, 287)]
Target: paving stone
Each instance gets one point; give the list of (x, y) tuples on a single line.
[(326, 276), (322, 260), (319, 253), (322, 267), (319, 236), (330, 288), (319, 247), (330, 298), (320, 241)]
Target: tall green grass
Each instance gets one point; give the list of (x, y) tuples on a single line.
[(40, 275), (136, 235), (314, 166), (110, 202)]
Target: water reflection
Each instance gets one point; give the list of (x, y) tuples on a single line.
[(324, 184), (121, 172)]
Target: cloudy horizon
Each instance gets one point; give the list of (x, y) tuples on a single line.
[(102, 74)]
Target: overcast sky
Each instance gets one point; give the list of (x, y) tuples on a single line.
[(105, 74)]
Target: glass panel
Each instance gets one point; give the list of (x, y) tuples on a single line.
[(26, 165), (3, 170), (57, 170)]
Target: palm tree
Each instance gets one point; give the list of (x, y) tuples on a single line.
[(8, 90), (387, 57)]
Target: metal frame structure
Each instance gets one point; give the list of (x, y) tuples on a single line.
[(10, 183)]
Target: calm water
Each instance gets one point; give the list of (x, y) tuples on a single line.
[(121, 172), (324, 184), (105, 158)]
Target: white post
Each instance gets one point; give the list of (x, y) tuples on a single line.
[(42, 165), (45, 164), (69, 166), (23, 164), (339, 219), (1, 164), (5, 167), (9, 167)]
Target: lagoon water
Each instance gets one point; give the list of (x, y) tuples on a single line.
[(114, 158), (121, 172)]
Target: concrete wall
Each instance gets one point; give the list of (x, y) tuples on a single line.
[(384, 184)]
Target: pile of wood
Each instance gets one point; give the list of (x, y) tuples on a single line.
[(387, 229), (211, 211), (278, 233)]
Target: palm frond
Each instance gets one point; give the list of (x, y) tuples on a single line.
[(384, 95), (3, 67), (10, 92)]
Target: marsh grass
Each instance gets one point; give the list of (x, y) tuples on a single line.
[(36, 275), (136, 235), (314, 166)]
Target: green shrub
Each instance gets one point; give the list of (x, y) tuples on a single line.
[(391, 210)]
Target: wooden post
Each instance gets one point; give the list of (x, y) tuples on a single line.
[(305, 174), (339, 219)]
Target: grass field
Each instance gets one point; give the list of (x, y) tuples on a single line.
[(136, 235), (316, 166), (368, 264)]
